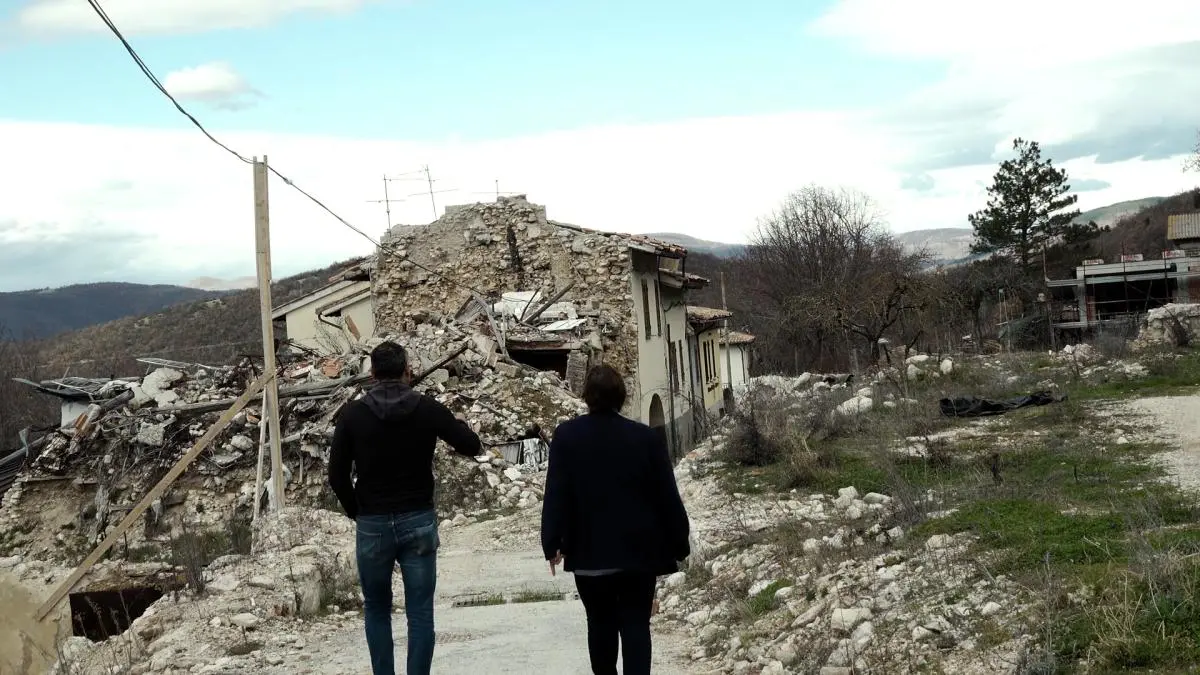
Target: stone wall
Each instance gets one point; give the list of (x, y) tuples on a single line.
[(506, 246)]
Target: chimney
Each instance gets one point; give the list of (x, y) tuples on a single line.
[(1196, 200)]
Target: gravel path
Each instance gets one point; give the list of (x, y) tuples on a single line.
[(1177, 419), (519, 638)]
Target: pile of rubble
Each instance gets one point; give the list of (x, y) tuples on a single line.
[(135, 429), (821, 583), (797, 393), (302, 566), (522, 249), (1171, 325)]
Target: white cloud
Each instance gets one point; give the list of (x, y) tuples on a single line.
[(1010, 35), (167, 16), (216, 84), (1098, 90), (183, 207)]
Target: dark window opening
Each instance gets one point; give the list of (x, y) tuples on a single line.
[(658, 308), (646, 306), (1129, 299), (100, 615), (552, 360), (674, 366)]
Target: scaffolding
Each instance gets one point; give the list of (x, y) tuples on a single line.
[(1114, 294)]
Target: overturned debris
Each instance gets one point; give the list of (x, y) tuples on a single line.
[(118, 446), (973, 406)]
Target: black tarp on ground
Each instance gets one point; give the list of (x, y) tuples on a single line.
[(973, 406)]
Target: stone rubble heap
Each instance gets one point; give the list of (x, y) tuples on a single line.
[(122, 445), (1163, 325), (250, 614), (822, 583), (799, 392), (521, 249)]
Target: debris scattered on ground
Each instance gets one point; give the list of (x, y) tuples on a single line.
[(820, 583), (974, 406), (134, 429)]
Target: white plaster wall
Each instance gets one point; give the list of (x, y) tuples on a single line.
[(738, 362), (652, 374), (711, 386), (304, 328), (362, 313)]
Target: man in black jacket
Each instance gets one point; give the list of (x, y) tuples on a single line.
[(387, 438), (612, 514)]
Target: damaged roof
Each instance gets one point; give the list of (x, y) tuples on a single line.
[(706, 314), (78, 388), (684, 279), (734, 337), (636, 241)]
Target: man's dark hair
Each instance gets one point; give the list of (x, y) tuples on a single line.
[(389, 361), (604, 389)]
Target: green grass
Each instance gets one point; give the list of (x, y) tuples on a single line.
[(537, 595), (1170, 374), (480, 600), (1070, 513), (764, 601)]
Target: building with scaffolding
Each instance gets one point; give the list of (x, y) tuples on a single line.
[(1114, 294)]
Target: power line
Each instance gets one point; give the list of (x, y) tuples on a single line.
[(95, 5)]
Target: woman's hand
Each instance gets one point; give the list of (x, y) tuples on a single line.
[(555, 562)]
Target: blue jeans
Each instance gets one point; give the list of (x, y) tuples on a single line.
[(410, 539)]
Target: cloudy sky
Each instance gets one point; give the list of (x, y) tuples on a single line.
[(691, 117)]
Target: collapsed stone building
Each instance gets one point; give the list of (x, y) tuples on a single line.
[(502, 310), (557, 297)]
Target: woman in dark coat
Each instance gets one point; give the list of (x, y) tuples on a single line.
[(612, 515)]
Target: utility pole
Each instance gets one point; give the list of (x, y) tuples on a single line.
[(270, 398), (432, 201)]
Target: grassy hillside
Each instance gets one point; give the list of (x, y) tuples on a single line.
[(1144, 231), (41, 313), (217, 330), (1113, 213)]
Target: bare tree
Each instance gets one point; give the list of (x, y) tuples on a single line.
[(1193, 163), (825, 264)]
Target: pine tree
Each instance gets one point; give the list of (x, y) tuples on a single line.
[(1026, 207)]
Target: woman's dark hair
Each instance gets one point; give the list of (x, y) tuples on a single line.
[(604, 389), (389, 361)]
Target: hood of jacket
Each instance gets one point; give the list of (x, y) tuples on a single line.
[(391, 400)]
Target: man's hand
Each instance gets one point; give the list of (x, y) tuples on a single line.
[(555, 562)]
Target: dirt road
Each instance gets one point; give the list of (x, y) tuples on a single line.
[(1177, 418), (526, 638)]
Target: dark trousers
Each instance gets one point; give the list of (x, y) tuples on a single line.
[(618, 605)]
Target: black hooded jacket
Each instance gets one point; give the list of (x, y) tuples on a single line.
[(387, 437)]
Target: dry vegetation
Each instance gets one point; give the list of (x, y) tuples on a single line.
[(1107, 552), (217, 331)]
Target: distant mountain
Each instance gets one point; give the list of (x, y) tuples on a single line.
[(1109, 215), (944, 244), (216, 284), (216, 329), (44, 312), (952, 245), (699, 245)]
